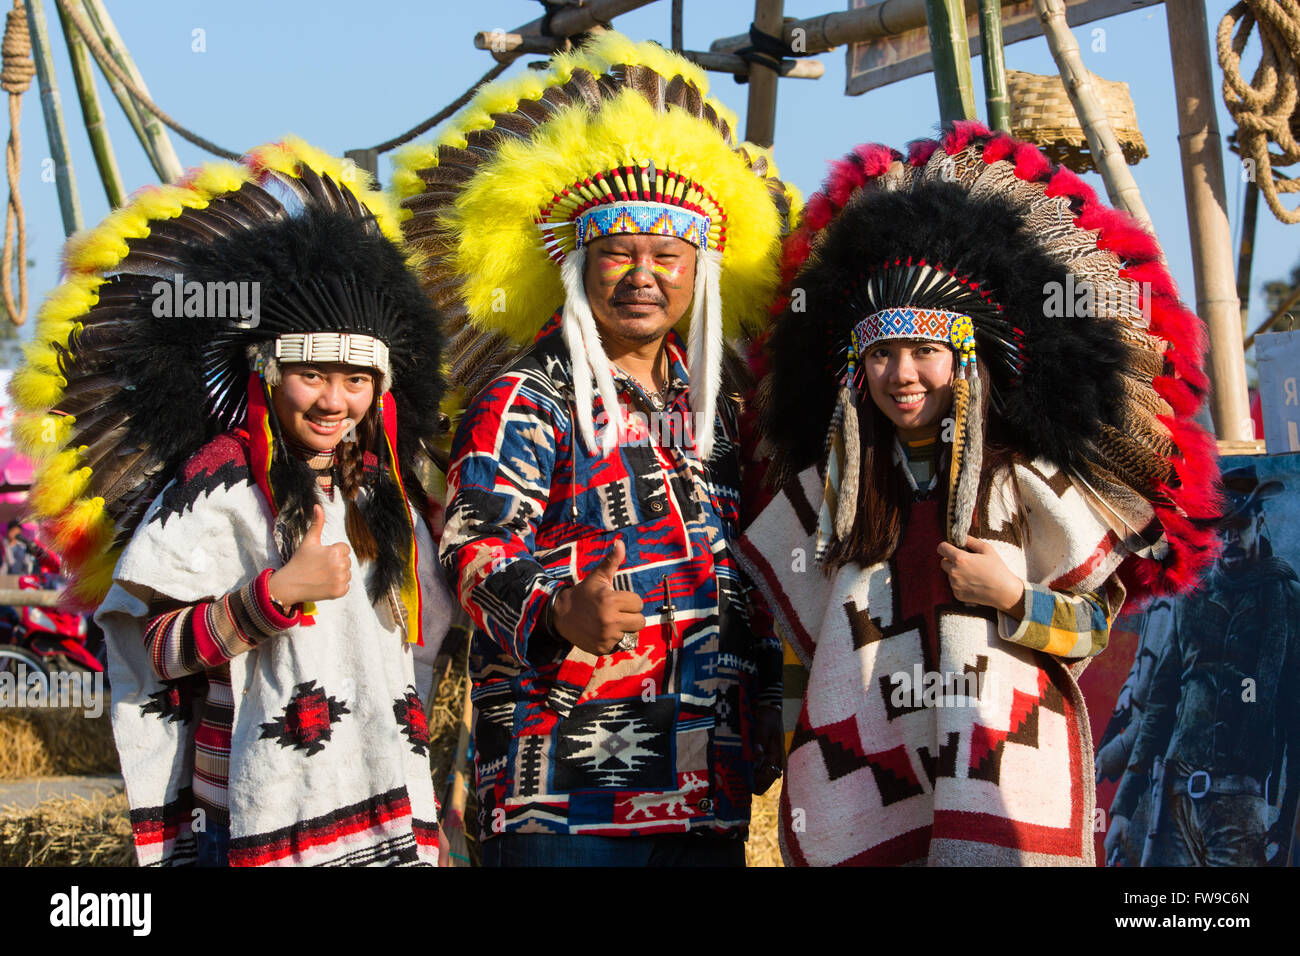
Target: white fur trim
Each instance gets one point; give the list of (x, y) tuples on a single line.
[(704, 348), (588, 358)]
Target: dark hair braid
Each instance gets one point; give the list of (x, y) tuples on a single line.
[(350, 461)]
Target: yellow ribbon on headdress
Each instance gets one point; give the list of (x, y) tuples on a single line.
[(412, 603)]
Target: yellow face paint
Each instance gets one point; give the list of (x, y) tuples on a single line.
[(613, 271)]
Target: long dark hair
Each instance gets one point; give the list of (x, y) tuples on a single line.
[(884, 496), (377, 523)]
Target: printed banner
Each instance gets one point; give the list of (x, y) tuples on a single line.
[(886, 60), (1194, 709)]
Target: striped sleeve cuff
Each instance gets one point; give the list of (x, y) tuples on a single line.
[(265, 618)]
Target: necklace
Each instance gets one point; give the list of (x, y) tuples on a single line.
[(658, 396)]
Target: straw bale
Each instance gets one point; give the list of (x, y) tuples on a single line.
[(36, 742), (764, 848), (68, 831)]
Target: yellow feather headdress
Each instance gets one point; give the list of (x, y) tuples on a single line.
[(616, 136), (95, 476)]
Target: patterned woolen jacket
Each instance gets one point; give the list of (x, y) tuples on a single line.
[(653, 740)]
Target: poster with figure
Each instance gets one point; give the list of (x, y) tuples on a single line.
[(1198, 743)]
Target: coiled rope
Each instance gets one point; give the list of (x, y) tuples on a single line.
[(15, 79), (1265, 108)]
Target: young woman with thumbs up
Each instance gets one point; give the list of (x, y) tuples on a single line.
[(274, 612), (326, 415)]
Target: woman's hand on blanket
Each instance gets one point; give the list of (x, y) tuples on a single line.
[(316, 572), (978, 576), (593, 615)]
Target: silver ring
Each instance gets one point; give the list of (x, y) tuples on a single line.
[(629, 641)]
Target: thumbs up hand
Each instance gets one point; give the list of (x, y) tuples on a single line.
[(591, 614), (316, 572)]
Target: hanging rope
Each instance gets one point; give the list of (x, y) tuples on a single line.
[(1265, 108), (15, 79), (110, 65), (443, 113)]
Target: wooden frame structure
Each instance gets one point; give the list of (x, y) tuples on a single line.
[(1200, 144)]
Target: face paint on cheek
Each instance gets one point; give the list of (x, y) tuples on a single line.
[(673, 273), (612, 273)]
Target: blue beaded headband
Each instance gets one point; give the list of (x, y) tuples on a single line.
[(632, 218)]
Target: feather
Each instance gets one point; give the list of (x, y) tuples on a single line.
[(518, 124)]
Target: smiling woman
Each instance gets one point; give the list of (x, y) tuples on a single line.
[(911, 382), (983, 560), (318, 405), (250, 525)]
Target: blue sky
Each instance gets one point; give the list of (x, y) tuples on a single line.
[(344, 75)]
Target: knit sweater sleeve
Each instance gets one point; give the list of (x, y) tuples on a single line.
[(200, 636)]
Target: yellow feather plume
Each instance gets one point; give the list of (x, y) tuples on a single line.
[(91, 582), (36, 387), (85, 527), (58, 483), (38, 436)]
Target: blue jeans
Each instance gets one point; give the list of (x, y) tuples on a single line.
[(556, 849), (213, 845)]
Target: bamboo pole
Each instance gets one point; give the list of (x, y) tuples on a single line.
[(1105, 148), (153, 134), (567, 21), (1246, 257), (1207, 218), (51, 106), (91, 112), (996, 101), (950, 49), (739, 66), (828, 30), (130, 110), (800, 69), (760, 116)]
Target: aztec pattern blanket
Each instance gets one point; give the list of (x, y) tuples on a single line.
[(329, 760), (926, 735)]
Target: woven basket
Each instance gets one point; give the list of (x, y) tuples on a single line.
[(1042, 114)]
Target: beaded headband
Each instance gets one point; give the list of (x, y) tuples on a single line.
[(641, 217), (636, 198), (931, 325), (344, 348)]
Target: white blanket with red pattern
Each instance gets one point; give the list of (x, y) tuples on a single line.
[(991, 762), (330, 752)]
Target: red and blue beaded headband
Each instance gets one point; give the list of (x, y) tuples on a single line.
[(649, 218), (931, 325), (635, 198)]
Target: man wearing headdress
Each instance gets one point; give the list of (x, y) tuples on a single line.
[(1223, 716), (623, 694)]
